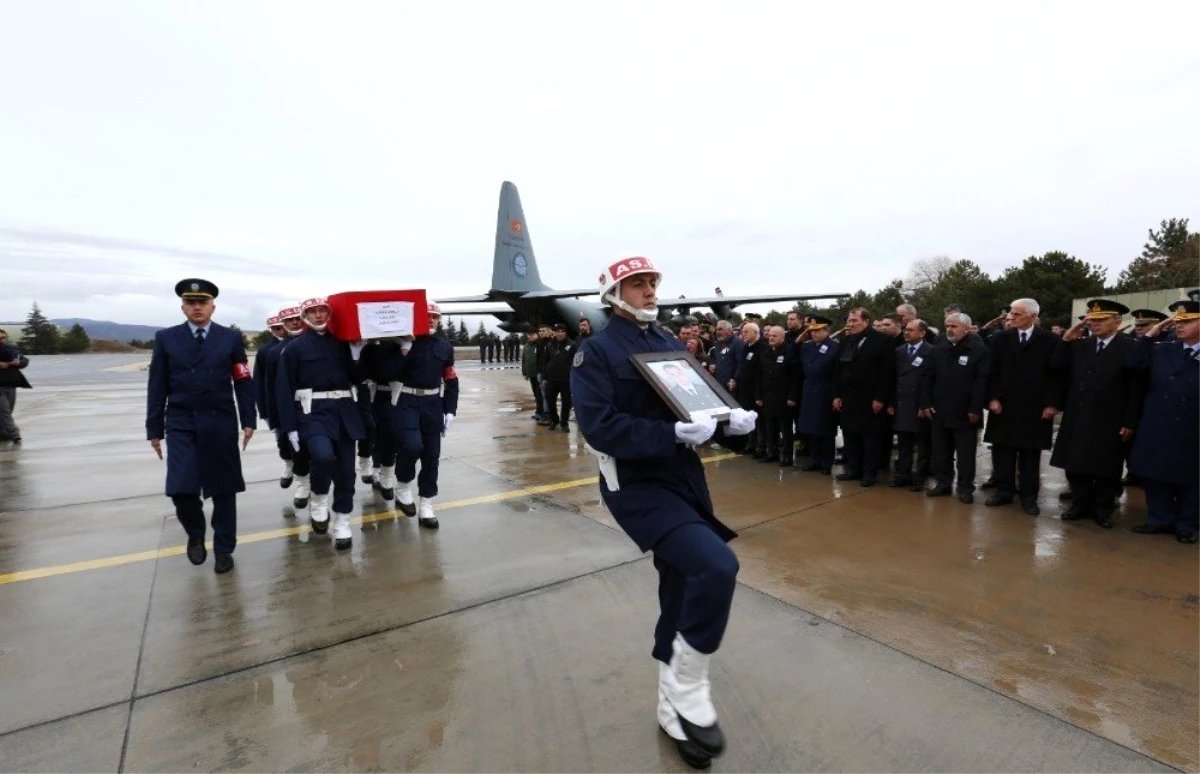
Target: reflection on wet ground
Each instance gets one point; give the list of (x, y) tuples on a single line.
[(874, 629)]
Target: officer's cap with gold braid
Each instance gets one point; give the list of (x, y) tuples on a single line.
[(819, 322), (196, 288), (1147, 316), (1100, 308), (1185, 310)]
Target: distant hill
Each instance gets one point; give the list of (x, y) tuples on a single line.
[(103, 329)]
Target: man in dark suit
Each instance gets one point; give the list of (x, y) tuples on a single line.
[(912, 362), (862, 382), (1023, 399), (1104, 401), (12, 362), (190, 403)]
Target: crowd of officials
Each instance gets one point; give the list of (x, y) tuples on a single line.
[(1125, 395)]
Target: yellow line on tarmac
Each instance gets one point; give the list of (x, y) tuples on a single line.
[(257, 537)]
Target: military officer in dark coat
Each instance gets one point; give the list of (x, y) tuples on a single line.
[(862, 382), (424, 413), (777, 385), (818, 421), (912, 431), (1166, 449), (953, 394), (195, 371), (1104, 401), (319, 412), (1023, 398), (653, 483)]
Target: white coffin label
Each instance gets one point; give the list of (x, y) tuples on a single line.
[(377, 319)]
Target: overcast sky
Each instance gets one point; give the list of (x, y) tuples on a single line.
[(285, 150)]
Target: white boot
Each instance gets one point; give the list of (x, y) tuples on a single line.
[(404, 497), (341, 530), (668, 721), (364, 469), (318, 514), (425, 513), (375, 477), (387, 483), (285, 478), (300, 499), (688, 691)]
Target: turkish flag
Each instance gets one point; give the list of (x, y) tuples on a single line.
[(344, 322), (514, 226)]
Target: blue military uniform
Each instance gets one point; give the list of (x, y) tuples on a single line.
[(381, 366), (321, 363), (818, 420), (662, 500), (190, 402), (419, 418), (1166, 448)]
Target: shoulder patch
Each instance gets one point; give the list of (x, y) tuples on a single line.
[(578, 361)]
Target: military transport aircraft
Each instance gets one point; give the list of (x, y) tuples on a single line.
[(529, 302)]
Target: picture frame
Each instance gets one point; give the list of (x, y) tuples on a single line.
[(686, 386)]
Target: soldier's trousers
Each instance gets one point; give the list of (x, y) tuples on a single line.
[(301, 463), (189, 509), (697, 573), (1093, 496), (954, 446), (333, 465), (905, 443), (1017, 470), (1172, 505), (366, 446), (553, 390), (422, 442)]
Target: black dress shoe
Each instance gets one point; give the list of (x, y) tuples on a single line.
[(867, 482), (938, 491), (709, 739), (196, 552), (408, 509), (429, 523), (1031, 507), (691, 754), (1146, 529), (998, 499), (223, 563), (810, 467), (848, 476), (900, 481), (966, 498), (299, 502), (1188, 538), (1104, 521), (786, 462), (284, 483)]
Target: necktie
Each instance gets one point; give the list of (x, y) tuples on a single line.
[(1023, 335), (199, 336), (1099, 347), (911, 349)]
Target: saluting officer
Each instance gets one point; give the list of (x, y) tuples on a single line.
[(653, 483), (1104, 401), (189, 401), (319, 412), (1166, 450), (423, 417), (818, 422)]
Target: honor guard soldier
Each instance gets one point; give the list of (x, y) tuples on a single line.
[(266, 361), (318, 411), (189, 401), (293, 326), (654, 485), (1166, 450), (423, 417), (381, 364)]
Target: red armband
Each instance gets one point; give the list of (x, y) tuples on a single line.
[(240, 371), (448, 373)]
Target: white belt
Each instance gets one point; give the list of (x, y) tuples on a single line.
[(392, 387), (306, 397), (417, 391)]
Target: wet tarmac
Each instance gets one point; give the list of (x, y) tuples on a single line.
[(873, 629)]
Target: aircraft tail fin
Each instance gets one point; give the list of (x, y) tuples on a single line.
[(514, 269)]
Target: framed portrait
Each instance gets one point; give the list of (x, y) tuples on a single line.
[(687, 387)]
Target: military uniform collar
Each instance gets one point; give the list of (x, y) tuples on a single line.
[(626, 328)]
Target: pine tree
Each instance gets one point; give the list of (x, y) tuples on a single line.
[(76, 340), (41, 337), (464, 338), (479, 334)]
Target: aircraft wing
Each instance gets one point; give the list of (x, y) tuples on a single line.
[(465, 300), (732, 301), (561, 293)]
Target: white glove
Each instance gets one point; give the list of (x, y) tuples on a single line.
[(741, 421), (294, 437), (356, 349), (449, 420), (406, 344), (695, 433)]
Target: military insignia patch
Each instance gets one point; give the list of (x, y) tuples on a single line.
[(578, 361)]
